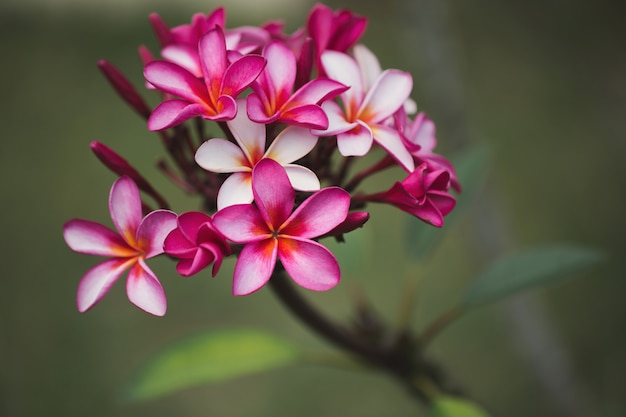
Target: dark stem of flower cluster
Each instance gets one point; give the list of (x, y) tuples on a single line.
[(400, 356)]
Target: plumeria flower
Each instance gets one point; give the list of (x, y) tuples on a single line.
[(336, 31), (423, 194), (367, 106), (270, 232), (419, 138), (212, 98), (136, 240), (273, 100), (222, 156), (197, 243)]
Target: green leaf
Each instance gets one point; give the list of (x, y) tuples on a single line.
[(533, 268), (471, 168), (453, 407), (211, 357)]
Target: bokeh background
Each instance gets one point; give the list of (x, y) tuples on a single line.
[(541, 84)]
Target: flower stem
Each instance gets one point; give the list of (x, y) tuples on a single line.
[(402, 359)]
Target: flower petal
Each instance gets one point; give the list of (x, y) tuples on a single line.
[(318, 214), (391, 141), (369, 65), (291, 144), (343, 68), (145, 291), (183, 56), (241, 223), (241, 73), (91, 238), (175, 80), (387, 95), (125, 208), (316, 91), (256, 110), (173, 112), (220, 155), (355, 142), (302, 178), (153, 230), (248, 134), (337, 122), (98, 280), (254, 267), (272, 192), (237, 189), (212, 51), (309, 264), (310, 115), (280, 71)]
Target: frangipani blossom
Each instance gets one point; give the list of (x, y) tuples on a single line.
[(222, 156), (423, 194), (366, 108), (213, 97), (270, 232), (419, 138), (333, 30), (196, 243), (136, 240), (272, 99)]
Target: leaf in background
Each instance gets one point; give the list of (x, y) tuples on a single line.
[(471, 168), (211, 357), (453, 407), (529, 269)]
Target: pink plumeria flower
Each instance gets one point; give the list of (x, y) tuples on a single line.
[(197, 243), (270, 232), (223, 156), (212, 98), (336, 31), (367, 106), (423, 194), (419, 138), (273, 100), (136, 240)]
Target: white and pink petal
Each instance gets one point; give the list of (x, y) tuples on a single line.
[(308, 263), (145, 291), (254, 266), (98, 280)]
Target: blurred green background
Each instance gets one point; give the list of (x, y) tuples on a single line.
[(541, 83)]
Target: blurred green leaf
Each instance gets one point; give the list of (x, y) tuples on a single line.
[(471, 168), (454, 407), (211, 357), (533, 268)]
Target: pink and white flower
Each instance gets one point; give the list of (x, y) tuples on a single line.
[(367, 106), (136, 240), (213, 96), (223, 156), (419, 138), (273, 100), (270, 231)]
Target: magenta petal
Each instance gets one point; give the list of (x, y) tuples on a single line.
[(145, 291), (178, 246), (193, 265), (153, 230), (318, 214), (175, 80), (212, 51), (173, 112), (272, 192), (280, 71), (184, 56), (254, 266), (353, 221), (241, 223), (98, 280), (189, 224), (255, 110), (91, 238), (316, 91), (309, 115), (125, 208), (241, 73), (444, 201), (308, 263)]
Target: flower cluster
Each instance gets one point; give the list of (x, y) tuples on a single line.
[(294, 111)]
